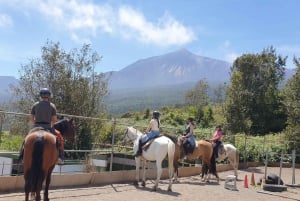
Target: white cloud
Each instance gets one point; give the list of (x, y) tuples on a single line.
[(226, 49), (231, 56), (5, 21), (167, 31), (88, 19)]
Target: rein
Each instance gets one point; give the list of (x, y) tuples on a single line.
[(126, 135)]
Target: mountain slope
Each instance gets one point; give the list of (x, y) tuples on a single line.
[(173, 68)]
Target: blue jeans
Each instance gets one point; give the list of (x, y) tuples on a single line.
[(148, 136), (189, 144)]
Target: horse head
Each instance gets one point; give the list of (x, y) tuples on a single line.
[(67, 128), (132, 134)]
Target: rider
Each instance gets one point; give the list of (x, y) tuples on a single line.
[(151, 132), (217, 140), (188, 136), (43, 114)]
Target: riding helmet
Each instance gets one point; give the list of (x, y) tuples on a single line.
[(45, 93), (156, 114), (191, 119)]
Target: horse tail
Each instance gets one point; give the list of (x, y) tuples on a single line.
[(171, 154), (37, 174)]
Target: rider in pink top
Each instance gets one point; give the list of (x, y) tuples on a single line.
[(217, 139)]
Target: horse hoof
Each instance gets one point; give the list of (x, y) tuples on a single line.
[(170, 189), (135, 183), (143, 183)]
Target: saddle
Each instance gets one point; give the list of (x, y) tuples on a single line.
[(148, 143)]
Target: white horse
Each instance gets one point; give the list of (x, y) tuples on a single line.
[(229, 152), (157, 151)]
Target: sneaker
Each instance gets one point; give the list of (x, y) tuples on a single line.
[(60, 161)]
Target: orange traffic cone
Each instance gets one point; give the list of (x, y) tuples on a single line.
[(252, 180), (246, 182)]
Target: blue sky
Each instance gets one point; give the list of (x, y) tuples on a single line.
[(124, 31)]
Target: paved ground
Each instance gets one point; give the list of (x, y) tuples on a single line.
[(188, 188)]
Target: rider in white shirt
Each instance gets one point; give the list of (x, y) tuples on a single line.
[(151, 132)]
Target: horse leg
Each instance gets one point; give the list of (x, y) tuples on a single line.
[(27, 189), (175, 174), (204, 172), (137, 171), (144, 174), (48, 179), (171, 171), (38, 196), (234, 166), (159, 171)]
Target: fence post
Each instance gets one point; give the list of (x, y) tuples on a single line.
[(2, 169), (112, 144), (266, 163), (280, 169), (293, 166), (245, 150)]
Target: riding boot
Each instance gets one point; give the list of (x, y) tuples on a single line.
[(140, 150)]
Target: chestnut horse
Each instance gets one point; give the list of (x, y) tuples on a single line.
[(40, 157), (204, 151)]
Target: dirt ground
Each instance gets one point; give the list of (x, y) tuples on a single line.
[(188, 188)]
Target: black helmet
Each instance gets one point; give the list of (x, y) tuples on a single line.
[(191, 119), (45, 93), (155, 114)]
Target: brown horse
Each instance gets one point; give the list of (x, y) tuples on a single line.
[(204, 151), (40, 157)]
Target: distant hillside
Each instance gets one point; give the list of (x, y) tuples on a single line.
[(173, 68), (5, 82)]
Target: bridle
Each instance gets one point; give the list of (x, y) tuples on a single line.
[(128, 136)]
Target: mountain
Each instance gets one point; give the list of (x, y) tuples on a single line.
[(173, 68), (5, 83), (156, 81), (162, 80)]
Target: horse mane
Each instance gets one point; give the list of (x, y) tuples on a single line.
[(171, 137)]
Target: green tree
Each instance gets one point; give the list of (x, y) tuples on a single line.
[(253, 101), (219, 94), (198, 98), (76, 88), (292, 104)]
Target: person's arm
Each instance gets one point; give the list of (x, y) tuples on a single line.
[(150, 126), (53, 120), (217, 136), (191, 131), (31, 118)]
